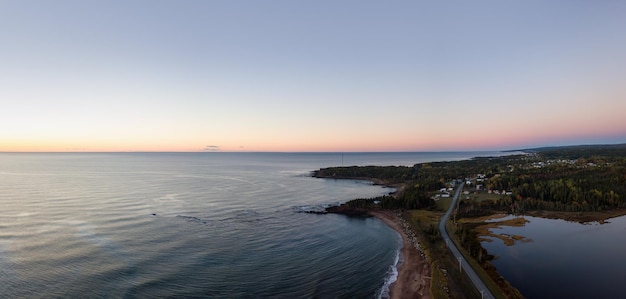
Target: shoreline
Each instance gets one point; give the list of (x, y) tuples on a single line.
[(413, 280)]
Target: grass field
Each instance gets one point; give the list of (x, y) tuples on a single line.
[(444, 203), (483, 195)]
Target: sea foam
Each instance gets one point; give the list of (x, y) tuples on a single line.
[(392, 276)]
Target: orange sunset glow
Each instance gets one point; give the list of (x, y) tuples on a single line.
[(384, 79)]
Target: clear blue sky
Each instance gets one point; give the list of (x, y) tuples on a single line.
[(310, 76)]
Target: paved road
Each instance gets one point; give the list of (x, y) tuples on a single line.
[(480, 286)]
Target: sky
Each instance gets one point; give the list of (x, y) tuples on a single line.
[(310, 75)]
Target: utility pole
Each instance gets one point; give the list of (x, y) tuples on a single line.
[(460, 266)]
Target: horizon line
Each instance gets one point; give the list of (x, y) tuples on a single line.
[(518, 149), (252, 152)]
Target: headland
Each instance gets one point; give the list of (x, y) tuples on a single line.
[(579, 184)]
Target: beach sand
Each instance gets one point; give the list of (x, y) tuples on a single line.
[(414, 271)]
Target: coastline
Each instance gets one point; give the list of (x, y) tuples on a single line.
[(414, 272)]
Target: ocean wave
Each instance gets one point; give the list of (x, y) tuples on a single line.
[(390, 278), (179, 225), (313, 209), (194, 219)]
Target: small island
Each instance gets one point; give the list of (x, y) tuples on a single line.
[(576, 183)]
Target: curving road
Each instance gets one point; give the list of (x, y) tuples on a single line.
[(478, 283)]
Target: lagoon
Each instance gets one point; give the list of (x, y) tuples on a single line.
[(563, 259)]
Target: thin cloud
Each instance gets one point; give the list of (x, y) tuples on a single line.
[(212, 148)]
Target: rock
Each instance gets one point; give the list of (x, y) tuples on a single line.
[(349, 211)]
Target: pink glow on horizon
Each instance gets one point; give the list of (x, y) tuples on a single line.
[(471, 138), (427, 77)]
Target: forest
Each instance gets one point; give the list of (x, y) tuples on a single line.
[(573, 179)]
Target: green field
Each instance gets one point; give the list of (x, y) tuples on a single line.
[(444, 203)]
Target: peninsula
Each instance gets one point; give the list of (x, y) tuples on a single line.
[(579, 183)]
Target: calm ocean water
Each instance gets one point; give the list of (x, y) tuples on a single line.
[(210, 225)]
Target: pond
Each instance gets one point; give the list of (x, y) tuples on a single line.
[(561, 259)]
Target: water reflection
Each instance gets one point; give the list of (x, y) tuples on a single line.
[(565, 259)]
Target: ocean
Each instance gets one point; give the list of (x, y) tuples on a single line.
[(205, 225)]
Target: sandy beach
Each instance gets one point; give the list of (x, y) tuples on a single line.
[(414, 271)]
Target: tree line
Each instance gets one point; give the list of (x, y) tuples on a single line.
[(567, 179)]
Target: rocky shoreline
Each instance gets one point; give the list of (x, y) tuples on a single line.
[(414, 271)]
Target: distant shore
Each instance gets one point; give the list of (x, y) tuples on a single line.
[(413, 271)]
